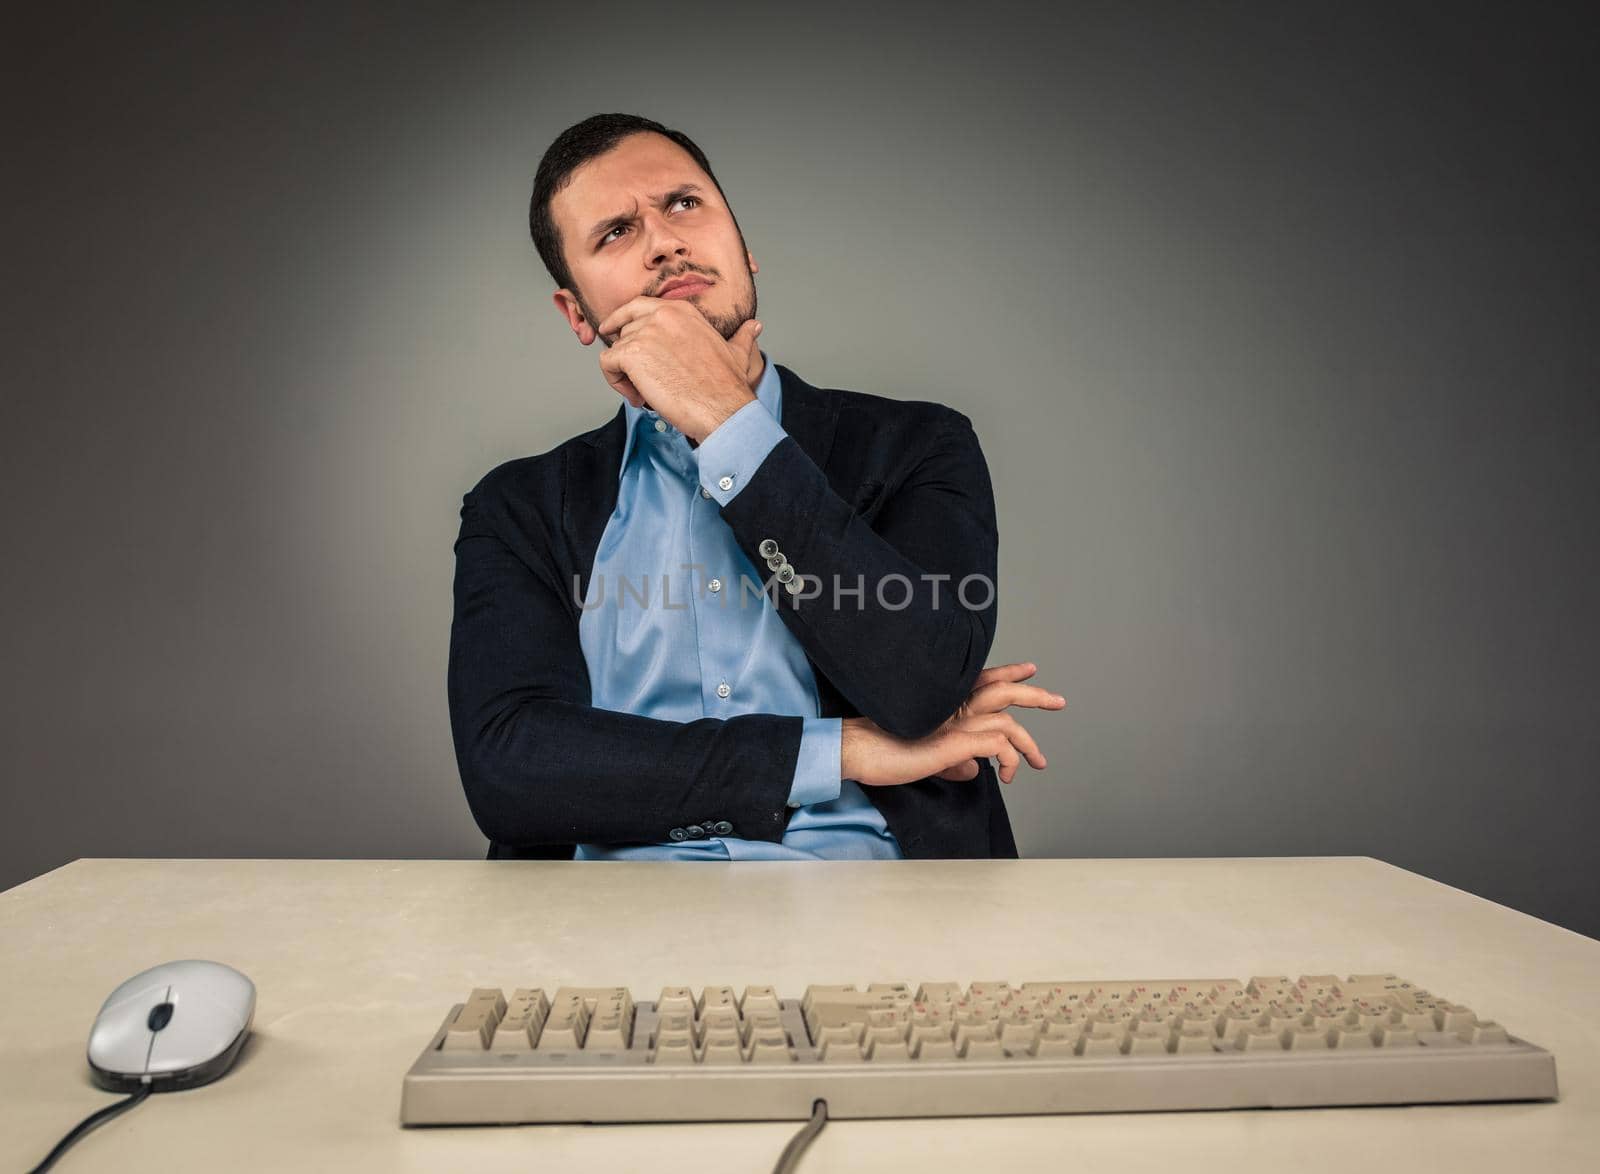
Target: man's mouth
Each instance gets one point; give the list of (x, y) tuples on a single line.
[(685, 288)]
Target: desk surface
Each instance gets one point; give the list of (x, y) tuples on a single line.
[(355, 963)]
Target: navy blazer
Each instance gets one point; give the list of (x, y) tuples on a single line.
[(862, 489)]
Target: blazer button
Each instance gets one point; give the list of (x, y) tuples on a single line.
[(785, 573), (694, 831), (677, 834), (793, 586), (777, 560), (768, 547), (722, 827)]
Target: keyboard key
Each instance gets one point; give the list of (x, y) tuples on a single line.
[(567, 1023), (1101, 1040), (1393, 1035), (674, 1049), (1488, 1032), (675, 999), (525, 1013), (841, 1033), (881, 1050), (610, 1034), (1146, 1041), (677, 1021), (1019, 1040), (1308, 1038), (838, 1049), (1351, 1037), (475, 1024), (933, 1048), (771, 1048), (722, 1049), (718, 1019), (717, 998), (757, 999)]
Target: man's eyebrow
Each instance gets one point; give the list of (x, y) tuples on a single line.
[(672, 197)]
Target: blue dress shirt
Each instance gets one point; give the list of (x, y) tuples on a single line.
[(675, 626)]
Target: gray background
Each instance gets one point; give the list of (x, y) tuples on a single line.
[(1277, 326)]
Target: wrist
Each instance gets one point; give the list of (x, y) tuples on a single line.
[(724, 406), (850, 734)]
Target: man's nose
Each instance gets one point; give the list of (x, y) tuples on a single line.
[(665, 243)]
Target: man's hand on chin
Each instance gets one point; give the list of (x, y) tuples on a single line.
[(668, 358)]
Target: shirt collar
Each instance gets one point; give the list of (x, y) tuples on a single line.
[(769, 393)]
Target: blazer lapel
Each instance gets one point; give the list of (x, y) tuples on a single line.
[(589, 494), (809, 415)]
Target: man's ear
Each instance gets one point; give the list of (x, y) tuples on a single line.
[(567, 303), (750, 259)]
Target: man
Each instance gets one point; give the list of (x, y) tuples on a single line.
[(830, 705)]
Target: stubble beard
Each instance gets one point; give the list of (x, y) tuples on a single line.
[(726, 325)]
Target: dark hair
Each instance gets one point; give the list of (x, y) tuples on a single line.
[(574, 147)]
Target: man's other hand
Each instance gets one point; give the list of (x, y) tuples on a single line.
[(996, 688), (978, 729)]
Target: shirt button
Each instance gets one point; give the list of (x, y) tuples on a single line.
[(726, 483), (715, 585), (661, 425), (724, 689), (706, 493)]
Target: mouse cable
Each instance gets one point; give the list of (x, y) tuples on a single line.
[(89, 1123), (797, 1143)]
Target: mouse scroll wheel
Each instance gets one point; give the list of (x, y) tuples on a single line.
[(160, 1016)]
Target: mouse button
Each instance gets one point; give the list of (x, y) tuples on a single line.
[(198, 1030), (120, 1040), (146, 990)]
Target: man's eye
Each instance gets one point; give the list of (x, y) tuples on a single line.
[(605, 240)]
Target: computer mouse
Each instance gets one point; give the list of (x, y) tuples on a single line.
[(174, 1026)]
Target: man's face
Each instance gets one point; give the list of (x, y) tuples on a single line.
[(639, 216)]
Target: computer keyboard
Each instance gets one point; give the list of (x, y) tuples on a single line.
[(943, 1050)]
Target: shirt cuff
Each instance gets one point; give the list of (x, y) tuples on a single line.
[(733, 452), (816, 771)]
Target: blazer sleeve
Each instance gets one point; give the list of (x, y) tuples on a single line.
[(914, 617), (541, 765)]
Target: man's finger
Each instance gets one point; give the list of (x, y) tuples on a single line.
[(743, 343), (611, 368), (1001, 695), (1015, 733), (640, 307), (1005, 672)]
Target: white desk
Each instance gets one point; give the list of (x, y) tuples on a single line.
[(356, 962)]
